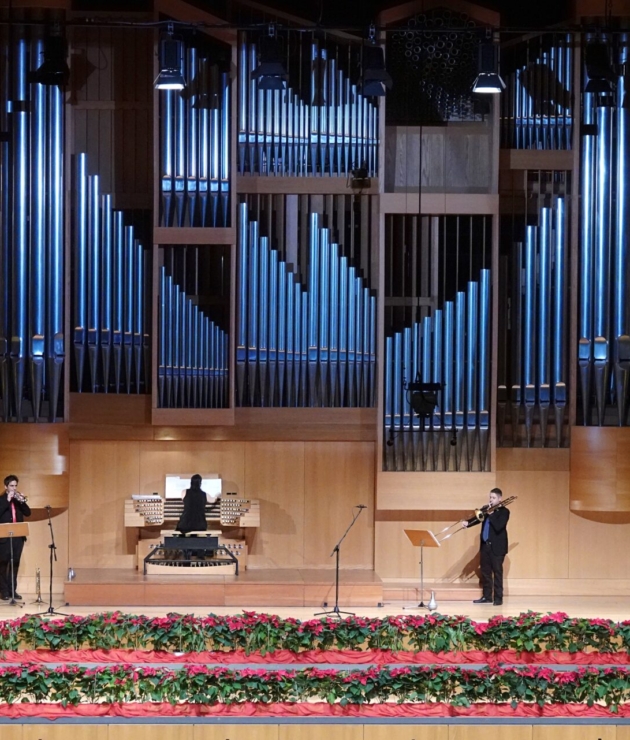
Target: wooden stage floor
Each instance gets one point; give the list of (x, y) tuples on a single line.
[(264, 588)]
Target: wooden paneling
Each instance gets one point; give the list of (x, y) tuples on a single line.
[(274, 474), (433, 491), (314, 732), (157, 459), (579, 732), (439, 203), (103, 475), (489, 732), (324, 185), (60, 732), (405, 732), (110, 409), (150, 732), (38, 455), (600, 469), (535, 159), (235, 732), (338, 476), (533, 458)]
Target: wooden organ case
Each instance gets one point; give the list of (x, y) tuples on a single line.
[(229, 518)]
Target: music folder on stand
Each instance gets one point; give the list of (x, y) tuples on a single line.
[(421, 538), (9, 531)]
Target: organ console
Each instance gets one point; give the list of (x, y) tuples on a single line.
[(226, 549)]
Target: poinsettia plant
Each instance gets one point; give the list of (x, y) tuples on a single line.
[(119, 684), (253, 632)]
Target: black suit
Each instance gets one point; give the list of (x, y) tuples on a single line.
[(6, 516), (492, 554)]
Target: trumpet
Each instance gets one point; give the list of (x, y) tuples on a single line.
[(19, 497), (478, 516)]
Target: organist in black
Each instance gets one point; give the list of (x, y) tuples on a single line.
[(193, 518)]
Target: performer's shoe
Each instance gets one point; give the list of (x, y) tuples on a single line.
[(498, 602), (482, 600), (16, 595), (4, 597)]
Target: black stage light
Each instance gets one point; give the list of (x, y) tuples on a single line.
[(170, 76), (54, 69), (375, 79), (488, 80), (271, 71), (598, 69)]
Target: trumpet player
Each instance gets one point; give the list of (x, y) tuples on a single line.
[(13, 508), (493, 547)]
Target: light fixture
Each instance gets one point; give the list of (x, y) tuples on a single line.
[(271, 73), (170, 76), (598, 69), (423, 398), (375, 79), (488, 80), (54, 69)]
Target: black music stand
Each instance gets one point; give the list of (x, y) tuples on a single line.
[(335, 610), (9, 531), (53, 555)]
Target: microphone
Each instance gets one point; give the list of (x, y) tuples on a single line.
[(360, 506), (48, 507)]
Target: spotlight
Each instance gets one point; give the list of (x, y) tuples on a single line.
[(54, 69), (170, 76), (488, 81), (423, 399), (375, 79), (271, 72), (598, 69)]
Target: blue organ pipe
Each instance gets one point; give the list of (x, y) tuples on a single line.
[(243, 267), (273, 321), (460, 357), (343, 325), (167, 155), (290, 304), (620, 298), (313, 288), (389, 379), (106, 288), (163, 307), (397, 419), (448, 397), (37, 287), (558, 367), (192, 137), (297, 343), (587, 229), (472, 349), (118, 300), (352, 327), (138, 333), (438, 343), (404, 415), (358, 292), (253, 290), (263, 308), (529, 318), (204, 148), (94, 278), (426, 350), (544, 314), (373, 329), (128, 306), (336, 315), (5, 283), (225, 152), (242, 106), (484, 347), (80, 270), (282, 329), (602, 223), (304, 359), (366, 378), (175, 319), (324, 299)]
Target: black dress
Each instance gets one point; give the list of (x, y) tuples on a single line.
[(193, 518)]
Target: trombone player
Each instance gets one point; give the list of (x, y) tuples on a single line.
[(493, 546)]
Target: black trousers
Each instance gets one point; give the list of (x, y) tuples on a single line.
[(491, 573), (5, 564)]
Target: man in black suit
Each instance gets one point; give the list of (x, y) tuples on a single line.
[(13, 508), (493, 545)]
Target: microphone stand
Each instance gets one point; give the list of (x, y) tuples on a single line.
[(53, 555), (335, 610)]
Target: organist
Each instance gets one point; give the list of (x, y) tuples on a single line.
[(193, 518)]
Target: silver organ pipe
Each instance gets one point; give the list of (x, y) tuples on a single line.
[(300, 346), (604, 344), (32, 343), (451, 346), (279, 133), (195, 146), (109, 294)]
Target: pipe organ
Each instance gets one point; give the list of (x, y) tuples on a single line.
[(302, 345), (32, 344), (603, 320), (110, 294), (321, 124), (195, 144), (533, 384), (537, 106), (446, 342)]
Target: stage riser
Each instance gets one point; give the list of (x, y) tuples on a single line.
[(273, 594)]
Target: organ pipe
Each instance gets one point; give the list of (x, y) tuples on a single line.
[(111, 341), (323, 353)]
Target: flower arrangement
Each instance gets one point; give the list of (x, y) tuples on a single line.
[(73, 685), (253, 632)]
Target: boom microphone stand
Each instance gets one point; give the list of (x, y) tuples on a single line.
[(335, 610), (53, 555)]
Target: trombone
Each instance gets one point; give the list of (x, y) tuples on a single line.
[(478, 516)]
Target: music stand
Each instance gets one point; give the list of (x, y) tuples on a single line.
[(421, 538), (9, 531)]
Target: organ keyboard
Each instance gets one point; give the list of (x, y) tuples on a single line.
[(230, 511)]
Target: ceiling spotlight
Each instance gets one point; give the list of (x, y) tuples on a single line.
[(423, 397), (54, 69), (271, 72), (488, 80), (375, 79), (598, 68), (170, 76)]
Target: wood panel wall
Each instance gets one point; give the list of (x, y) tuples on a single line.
[(307, 492), (314, 732)]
